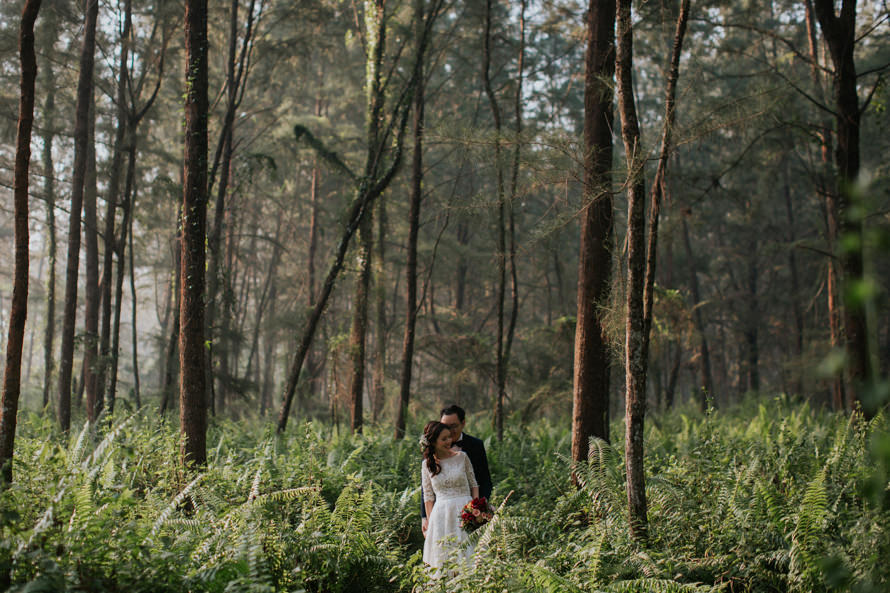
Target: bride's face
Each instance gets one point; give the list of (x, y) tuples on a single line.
[(443, 443)]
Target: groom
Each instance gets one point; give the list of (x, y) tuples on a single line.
[(454, 418)]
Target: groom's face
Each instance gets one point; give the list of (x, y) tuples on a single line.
[(454, 424)]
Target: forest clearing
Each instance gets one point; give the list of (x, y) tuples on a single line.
[(445, 295)]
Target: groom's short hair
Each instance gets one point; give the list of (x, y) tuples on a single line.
[(454, 409)]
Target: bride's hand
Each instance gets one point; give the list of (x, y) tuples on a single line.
[(424, 524)]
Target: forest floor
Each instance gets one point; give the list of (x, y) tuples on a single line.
[(771, 496)]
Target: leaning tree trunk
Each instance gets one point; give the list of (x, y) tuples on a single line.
[(12, 376), (411, 256), (634, 361), (81, 138), (193, 411), (590, 400)]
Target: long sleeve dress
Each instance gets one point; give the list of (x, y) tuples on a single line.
[(450, 489)]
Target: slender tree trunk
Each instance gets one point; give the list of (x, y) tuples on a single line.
[(235, 79), (460, 280), (706, 387), (635, 349), (49, 189), (81, 138), (173, 338), (193, 410), (378, 396), (114, 182), (752, 373), (375, 36), (315, 180), (511, 213), (500, 363), (120, 253), (672, 378), (413, 226), (360, 322), (659, 181), (590, 404), (9, 400), (269, 337), (796, 309), (91, 293), (133, 324)]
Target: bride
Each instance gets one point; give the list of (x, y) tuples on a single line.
[(448, 484)]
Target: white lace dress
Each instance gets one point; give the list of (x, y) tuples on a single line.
[(450, 489)]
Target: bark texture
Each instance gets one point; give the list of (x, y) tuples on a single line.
[(12, 376), (590, 401), (193, 411)]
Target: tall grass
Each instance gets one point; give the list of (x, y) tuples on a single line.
[(772, 497)]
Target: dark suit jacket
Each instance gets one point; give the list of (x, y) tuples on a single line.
[(475, 450)]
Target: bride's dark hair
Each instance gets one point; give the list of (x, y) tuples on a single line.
[(431, 434)]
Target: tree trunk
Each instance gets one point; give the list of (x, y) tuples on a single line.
[(81, 138), (193, 411), (376, 44), (360, 322), (269, 337), (133, 325), (500, 363), (91, 293), (378, 395), (413, 226), (173, 337), (315, 180), (706, 387), (840, 35), (119, 247), (592, 366), (235, 79), (672, 378), (752, 372), (635, 349), (9, 401), (114, 182), (49, 189), (796, 308)]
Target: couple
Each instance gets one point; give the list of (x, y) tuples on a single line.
[(454, 471)]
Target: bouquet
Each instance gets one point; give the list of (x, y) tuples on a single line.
[(475, 514)]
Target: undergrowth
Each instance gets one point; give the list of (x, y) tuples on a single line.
[(782, 499)]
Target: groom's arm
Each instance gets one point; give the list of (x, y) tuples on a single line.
[(481, 470)]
